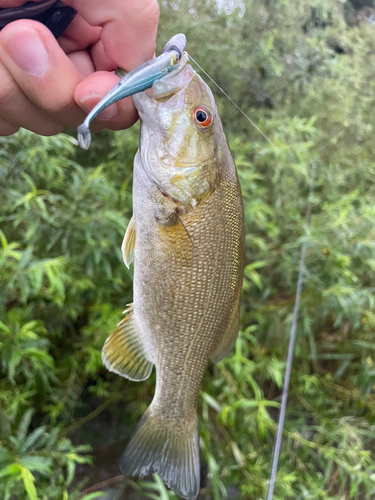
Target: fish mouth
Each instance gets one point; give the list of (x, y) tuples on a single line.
[(173, 82), (178, 67)]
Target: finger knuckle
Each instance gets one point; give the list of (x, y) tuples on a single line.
[(151, 13), (58, 105), (7, 92)]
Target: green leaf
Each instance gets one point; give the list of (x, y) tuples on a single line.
[(93, 496), (25, 424), (28, 482), (33, 438), (11, 469), (5, 328), (211, 401)]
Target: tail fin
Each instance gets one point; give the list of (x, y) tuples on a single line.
[(173, 454)]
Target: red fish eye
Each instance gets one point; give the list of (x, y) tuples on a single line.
[(202, 117)]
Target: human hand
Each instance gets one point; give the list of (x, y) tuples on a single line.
[(48, 84)]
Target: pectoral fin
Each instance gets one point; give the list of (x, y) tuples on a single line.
[(164, 208), (123, 352), (229, 338), (128, 243)]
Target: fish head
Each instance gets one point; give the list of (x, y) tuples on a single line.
[(180, 133)]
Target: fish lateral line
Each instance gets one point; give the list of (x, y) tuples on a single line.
[(234, 104)]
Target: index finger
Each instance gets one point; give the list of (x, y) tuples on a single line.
[(129, 27)]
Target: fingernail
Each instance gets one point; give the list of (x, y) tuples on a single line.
[(88, 102), (27, 50)]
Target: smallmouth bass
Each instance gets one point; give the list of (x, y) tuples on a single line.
[(186, 238)]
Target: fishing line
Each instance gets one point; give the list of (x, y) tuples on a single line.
[(292, 340), (231, 100)]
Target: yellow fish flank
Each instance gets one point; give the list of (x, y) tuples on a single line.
[(186, 237)]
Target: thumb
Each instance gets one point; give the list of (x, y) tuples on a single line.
[(129, 27)]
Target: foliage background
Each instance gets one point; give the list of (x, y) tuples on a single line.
[(304, 72)]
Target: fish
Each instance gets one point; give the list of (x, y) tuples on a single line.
[(186, 240)]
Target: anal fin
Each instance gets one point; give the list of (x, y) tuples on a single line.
[(128, 243), (229, 338), (123, 352)]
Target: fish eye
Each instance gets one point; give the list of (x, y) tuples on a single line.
[(202, 116)]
